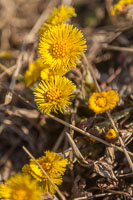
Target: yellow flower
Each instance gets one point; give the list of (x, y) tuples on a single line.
[(48, 73), (20, 187), (121, 6), (54, 94), (99, 102), (38, 70), (61, 46), (48, 187), (33, 170), (111, 135), (54, 166), (112, 99), (61, 14), (32, 74), (58, 16)]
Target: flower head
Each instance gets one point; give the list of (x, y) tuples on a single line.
[(111, 135), (54, 166), (61, 14), (54, 94), (32, 74), (121, 6), (33, 170), (99, 102), (112, 98), (61, 46), (20, 187), (58, 16)]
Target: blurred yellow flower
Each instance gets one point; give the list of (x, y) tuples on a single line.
[(53, 164), (20, 187), (121, 6), (61, 14), (54, 94), (58, 16), (111, 135), (99, 102), (38, 70), (32, 74), (61, 46)]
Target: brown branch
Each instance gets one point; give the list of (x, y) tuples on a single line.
[(116, 48)]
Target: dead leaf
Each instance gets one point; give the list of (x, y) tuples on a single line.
[(107, 183), (104, 169), (109, 180)]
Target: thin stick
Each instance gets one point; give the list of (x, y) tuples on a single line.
[(31, 156), (116, 48), (72, 130), (112, 77), (65, 123), (109, 116), (8, 71), (60, 139), (4, 68), (125, 175), (98, 195), (31, 36), (92, 73), (8, 97)]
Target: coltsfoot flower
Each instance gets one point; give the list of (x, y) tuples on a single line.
[(20, 187), (37, 70), (111, 135), (54, 94), (53, 164), (61, 46), (58, 16), (121, 6), (99, 102), (112, 99), (61, 14), (32, 74)]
